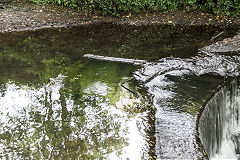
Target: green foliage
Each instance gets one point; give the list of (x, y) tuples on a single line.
[(225, 7), (115, 7)]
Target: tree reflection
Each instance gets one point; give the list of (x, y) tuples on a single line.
[(59, 120), (62, 129), (56, 105)]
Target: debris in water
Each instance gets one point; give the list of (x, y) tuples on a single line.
[(114, 59)]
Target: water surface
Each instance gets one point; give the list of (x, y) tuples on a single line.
[(82, 112), (219, 123), (58, 105)]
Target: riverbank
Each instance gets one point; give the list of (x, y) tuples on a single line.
[(20, 16)]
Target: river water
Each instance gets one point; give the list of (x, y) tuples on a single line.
[(82, 114), (58, 105), (221, 115), (175, 129)]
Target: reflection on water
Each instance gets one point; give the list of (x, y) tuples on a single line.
[(56, 105), (69, 116), (44, 124), (138, 42)]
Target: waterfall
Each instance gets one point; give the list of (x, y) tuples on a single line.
[(219, 124), (175, 130)]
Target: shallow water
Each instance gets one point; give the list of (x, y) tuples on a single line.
[(58, 105)]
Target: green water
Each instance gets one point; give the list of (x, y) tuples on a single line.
[(70, 116), (57, 105)]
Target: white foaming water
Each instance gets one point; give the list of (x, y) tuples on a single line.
[(226, 151), (220, 123)]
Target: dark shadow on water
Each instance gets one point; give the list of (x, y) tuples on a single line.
[(139, 42)]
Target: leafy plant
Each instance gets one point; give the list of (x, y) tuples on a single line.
[(116, 7)]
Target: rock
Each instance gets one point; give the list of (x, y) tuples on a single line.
[(225, 46)]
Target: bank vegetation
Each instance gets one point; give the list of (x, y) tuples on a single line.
[(117, 7)]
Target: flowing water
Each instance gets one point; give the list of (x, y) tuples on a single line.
[(219, 123), (177, 104), (58, 105)]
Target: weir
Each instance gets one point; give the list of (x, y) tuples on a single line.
[(92, 106), (218, 127)]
